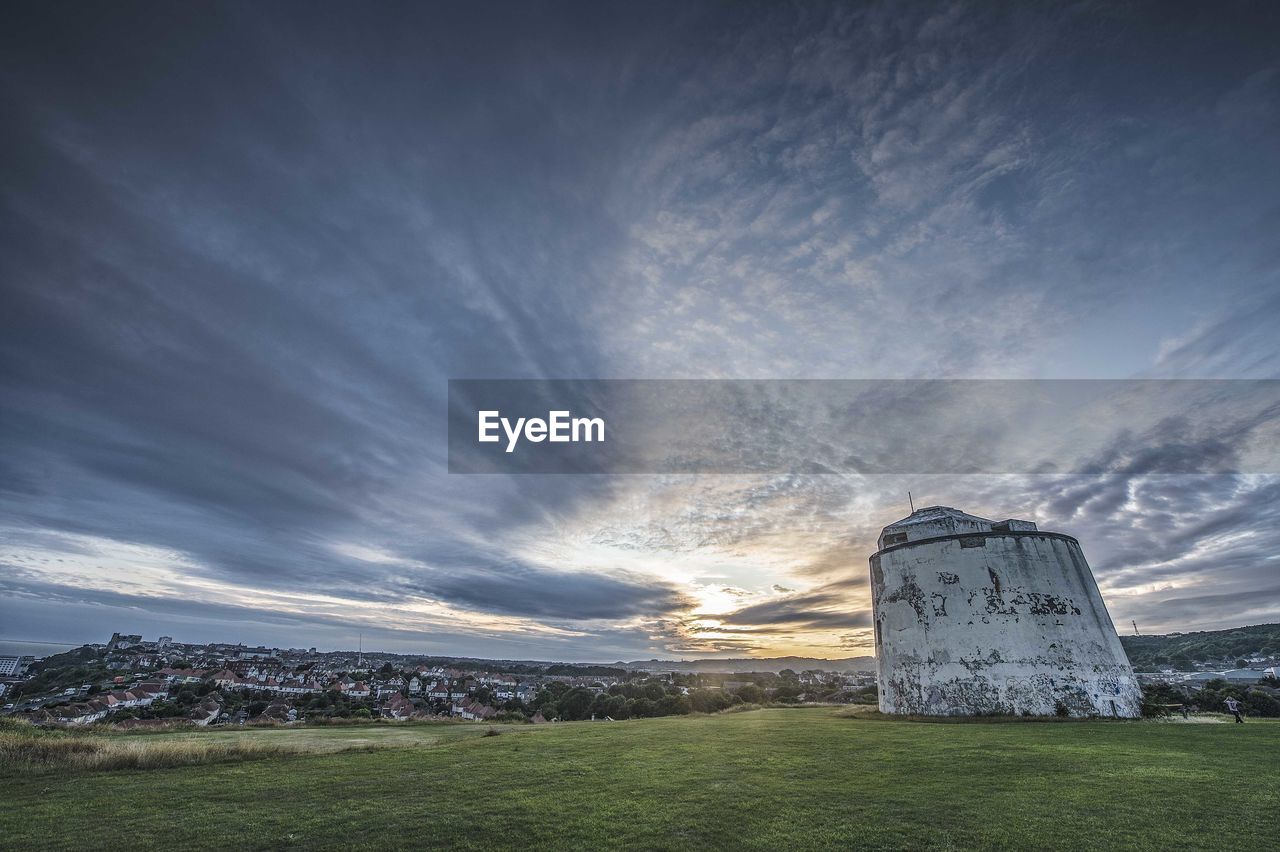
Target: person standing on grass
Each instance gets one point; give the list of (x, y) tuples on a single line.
[(1234, 707), (1186, 712)]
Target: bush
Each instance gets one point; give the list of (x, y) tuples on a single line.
[(1157, 698)]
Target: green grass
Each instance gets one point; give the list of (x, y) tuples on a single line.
[(331, 739), (770, 779)]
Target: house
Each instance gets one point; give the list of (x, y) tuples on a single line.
[(297, 687), (415, 686), (474, 710), (80, 714), (227, 679), (358, 690), (181, 676), (206, 712), (398, 707), (280, 712), (154, 688), (137, 696)]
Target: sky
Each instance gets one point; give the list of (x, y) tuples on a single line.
[(245, 246)]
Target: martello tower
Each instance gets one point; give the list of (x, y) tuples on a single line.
[(980, 617)]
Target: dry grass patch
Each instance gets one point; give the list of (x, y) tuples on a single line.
[(26, 747)]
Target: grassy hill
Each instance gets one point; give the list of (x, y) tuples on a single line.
[(1214, 648), (809, 778)]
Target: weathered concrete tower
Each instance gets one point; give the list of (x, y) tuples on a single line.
[(982, 617)]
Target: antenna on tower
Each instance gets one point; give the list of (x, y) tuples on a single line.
[(360, 652), (1135, 628), (911, 502)]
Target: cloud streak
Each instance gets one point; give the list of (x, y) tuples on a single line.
[(244, 248)]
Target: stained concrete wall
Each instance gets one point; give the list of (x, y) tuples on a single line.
[(995, 622)]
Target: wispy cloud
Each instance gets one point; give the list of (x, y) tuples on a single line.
[(242, 255)]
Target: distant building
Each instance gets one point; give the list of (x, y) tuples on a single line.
[(124, 640), (1231, 675), (13, 666)]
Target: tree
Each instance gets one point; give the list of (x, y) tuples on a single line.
[(674, 705), (789, 693), (708, 701), (618, 707), (1257, 702), (575, 704)]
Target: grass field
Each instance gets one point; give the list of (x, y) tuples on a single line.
[(769, 779)]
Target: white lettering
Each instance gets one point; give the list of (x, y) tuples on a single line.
[(487, 425), (560, 427), (587, 424), (513, 435)]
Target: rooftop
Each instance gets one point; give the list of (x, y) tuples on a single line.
[(934, 521)]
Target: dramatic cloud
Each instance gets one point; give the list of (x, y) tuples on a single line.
[(243, 248)]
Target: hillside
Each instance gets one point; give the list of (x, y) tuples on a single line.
[(753, 664), (812, 778), (1209, 649)]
